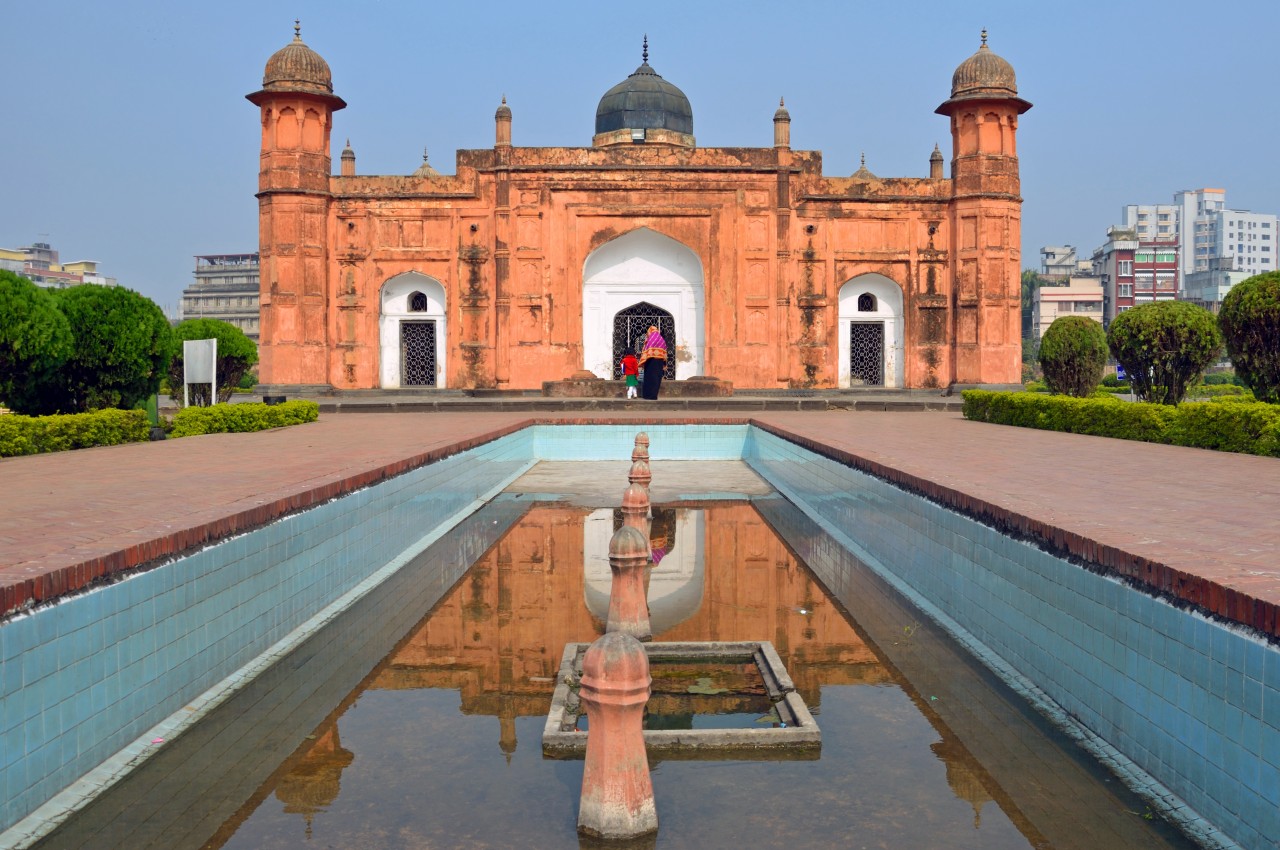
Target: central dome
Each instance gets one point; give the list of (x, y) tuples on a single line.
[(645, 102)]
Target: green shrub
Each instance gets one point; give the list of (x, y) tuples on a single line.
[(35, 341), (29, 435), (1250, 322), (240, 418), (1073, 354), (1230, 424), (1164, 347), (1223, 378), (1215, 391), (1036, 387)]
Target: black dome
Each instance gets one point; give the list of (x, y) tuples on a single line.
[(644, 101)]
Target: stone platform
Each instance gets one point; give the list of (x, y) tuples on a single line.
[(593, 387)]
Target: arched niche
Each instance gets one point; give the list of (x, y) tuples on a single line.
[(411, 332), (643, 266), (871, 321)]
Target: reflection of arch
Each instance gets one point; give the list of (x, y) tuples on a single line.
[(412, 332), (871, 321), (631, 328), (675, 584), (643, 265)]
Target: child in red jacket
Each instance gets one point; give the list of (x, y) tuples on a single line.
[(631, 371)]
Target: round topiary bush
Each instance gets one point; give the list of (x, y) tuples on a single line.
[(1250, 322), (1073, 354), (236, 355), (1164, 347)]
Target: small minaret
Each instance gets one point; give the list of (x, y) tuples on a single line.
[(782, 126), (935, 163), (348, 161), (502, 118)]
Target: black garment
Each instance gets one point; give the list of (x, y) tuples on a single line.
[(652, 378)]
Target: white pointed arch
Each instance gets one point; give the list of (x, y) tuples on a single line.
[(397, 304), (873, 298), (643, 265)]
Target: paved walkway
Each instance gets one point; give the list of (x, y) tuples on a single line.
[(1198, 525)]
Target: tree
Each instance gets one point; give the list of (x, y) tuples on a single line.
[(1073, 354), (1250, 323), (35, 339), (236, 354), (1164, 347), (123, 344)]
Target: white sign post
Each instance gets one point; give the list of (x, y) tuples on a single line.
[(200, 366)]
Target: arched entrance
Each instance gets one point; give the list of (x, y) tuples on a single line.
[(631, 328), (411, 331), (643, 270), (871, 332)]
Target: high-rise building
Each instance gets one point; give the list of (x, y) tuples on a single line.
[(1222, 246), (226, 288)]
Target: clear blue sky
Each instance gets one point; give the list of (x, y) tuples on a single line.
[(129, 140)]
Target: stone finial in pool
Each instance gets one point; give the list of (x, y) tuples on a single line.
[(640, 473), (617, 792), (641, 449), (628, 605), (642, 439), (635, 508)]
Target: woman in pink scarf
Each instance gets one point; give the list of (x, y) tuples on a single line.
[(653, 360)]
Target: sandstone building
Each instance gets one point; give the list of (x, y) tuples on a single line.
[(530, 264)]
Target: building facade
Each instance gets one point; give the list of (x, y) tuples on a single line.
[(1079, 296), (226, 288), (532, 264), (38, 262)]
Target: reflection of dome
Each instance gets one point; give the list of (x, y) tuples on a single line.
[(645, 101), (296, 67), (315, 782)]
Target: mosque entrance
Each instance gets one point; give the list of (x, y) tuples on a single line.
[(631, 327), (866, 354), (418, 354)]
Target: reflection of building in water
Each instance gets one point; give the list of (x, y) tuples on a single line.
[(314, 782), (964, 775), (676, 578), (499, 635)]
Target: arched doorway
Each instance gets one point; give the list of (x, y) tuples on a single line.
[(411, 330), (870, 339), (647, 271), (631, 328)]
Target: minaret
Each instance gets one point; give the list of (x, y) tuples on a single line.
[(502, 130), (297, 105), (782, 126), (986, 226), (348, 161), (935, 164)]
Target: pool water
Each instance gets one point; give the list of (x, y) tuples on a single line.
[(439, 743)]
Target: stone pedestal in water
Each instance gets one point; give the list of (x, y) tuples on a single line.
[(617, 793), (628, 605)]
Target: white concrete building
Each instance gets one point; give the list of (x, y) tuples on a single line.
[(1081, 296), (1062, 261)]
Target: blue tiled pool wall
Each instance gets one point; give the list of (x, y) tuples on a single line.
[(1194, 703), (85, 677), (615, 442)]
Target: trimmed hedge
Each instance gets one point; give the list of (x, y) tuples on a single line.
[(29, 435), (241, 418), (1232, 424)]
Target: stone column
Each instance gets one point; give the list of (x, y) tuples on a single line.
[(617, 793), (628, 606)]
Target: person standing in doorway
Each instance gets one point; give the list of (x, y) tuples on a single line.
[(631, 372), (653, 360)]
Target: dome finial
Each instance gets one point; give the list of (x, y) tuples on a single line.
[(864, 159), (424, 156), (297, 29), (644, 53), (984, 37), (504, 99), (782, 101)]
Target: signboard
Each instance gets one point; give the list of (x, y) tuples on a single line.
[(200, 366), (1120, 375)]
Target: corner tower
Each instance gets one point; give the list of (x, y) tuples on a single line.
[(297, 105), (986, 218)]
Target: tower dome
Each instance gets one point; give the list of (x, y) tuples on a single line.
[(644, 108), (984, 75), (296, 67)]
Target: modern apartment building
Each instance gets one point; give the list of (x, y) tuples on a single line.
[(226, 288), (1080, 296), (38, 262), (1222, 246), (1063, 261), (1113, 267)]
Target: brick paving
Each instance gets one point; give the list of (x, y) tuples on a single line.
[(1197, 525)]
